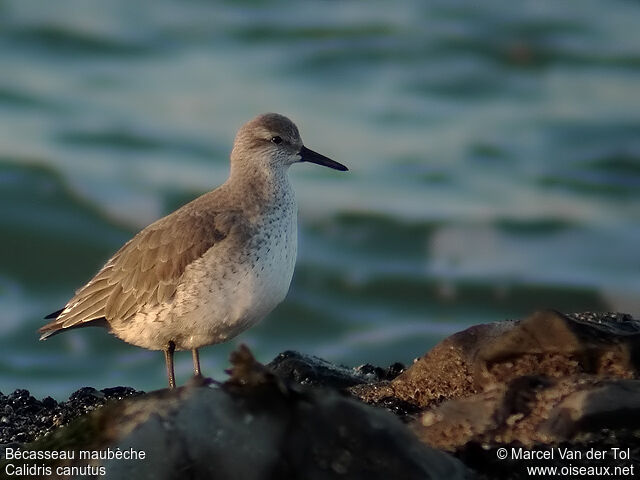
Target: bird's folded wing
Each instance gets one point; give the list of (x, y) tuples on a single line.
[(147, 270)]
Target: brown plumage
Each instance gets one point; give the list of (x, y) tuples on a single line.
[(146, 270)]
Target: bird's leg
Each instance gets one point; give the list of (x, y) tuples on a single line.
[(196, 363), (198, 380), (168, 358)]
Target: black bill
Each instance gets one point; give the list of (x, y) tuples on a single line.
[(307, 155)]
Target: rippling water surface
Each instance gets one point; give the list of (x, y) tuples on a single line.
[(494, 150)]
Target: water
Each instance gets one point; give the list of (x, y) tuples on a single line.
[(494, 151)]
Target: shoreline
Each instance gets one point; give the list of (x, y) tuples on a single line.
[(549, 382)]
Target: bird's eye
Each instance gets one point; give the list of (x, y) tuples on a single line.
[(277, 140)]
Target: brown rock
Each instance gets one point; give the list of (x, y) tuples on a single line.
[(533, 410), (610, 404), (546, 343)]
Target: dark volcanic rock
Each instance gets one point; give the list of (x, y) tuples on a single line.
[(254, 427), (23, 418), (309, 370)]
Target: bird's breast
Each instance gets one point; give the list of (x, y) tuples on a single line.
[(237, 283), (272, 258)]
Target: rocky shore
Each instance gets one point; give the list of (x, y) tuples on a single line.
[(551, 391)]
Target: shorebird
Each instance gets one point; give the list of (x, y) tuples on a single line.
[(214, 267)]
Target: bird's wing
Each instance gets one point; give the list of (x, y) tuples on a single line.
[(147, 269)]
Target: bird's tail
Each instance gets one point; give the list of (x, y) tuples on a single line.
[(57, 326), (51, 328)]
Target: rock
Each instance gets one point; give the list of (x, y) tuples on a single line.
[(547, 382), (532, 410), (309, 370), (546, 343), (313, 371), (255, 426), (596, 406), (23, 418)]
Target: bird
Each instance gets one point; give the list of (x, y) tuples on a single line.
[(214, 267)]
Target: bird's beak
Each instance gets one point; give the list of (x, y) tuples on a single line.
[(307, 155)]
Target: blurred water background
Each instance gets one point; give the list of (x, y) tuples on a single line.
[(494, 150)]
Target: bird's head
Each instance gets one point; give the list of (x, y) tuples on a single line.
[(272, 141)]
